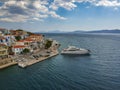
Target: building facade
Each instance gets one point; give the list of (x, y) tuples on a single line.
[(3, 51), (17, 49)]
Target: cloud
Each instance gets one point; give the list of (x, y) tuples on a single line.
[(24, 10), (67, 4), (108, 3), (54, 15), (70, 4), (16, 18)]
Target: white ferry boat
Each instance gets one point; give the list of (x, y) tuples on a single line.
[(72, 50)]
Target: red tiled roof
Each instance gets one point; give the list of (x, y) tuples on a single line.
[(36, 35), (1, 37), (26, 40), (2, 45), (2, 28), (21, 41), (19, 46)]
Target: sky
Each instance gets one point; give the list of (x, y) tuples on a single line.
[(63, 15)]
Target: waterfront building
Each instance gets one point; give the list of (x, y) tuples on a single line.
[(38, 40), (7, 40), (3, 51), (10, 39), (36, 37), (21, 33), (21, 42), (4, 31), (17, 49), (3, 40), (26, 42), (1, 34)]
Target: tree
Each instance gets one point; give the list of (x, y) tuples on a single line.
[(29, 33), (26, 51), (48, 44), (18, 38), (20, 30)]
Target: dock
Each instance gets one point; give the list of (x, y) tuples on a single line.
[(34, 61)]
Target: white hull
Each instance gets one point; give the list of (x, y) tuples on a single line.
[(22, 65), (80, 51), (75, 52)]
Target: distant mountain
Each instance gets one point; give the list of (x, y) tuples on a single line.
[(98, 31), (54, 31), (78, 31), (81, 31), (105, 31)]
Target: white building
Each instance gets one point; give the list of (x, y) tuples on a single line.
[(10, 39), (17, 49)]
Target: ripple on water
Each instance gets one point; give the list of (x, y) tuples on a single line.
[(99, 71)]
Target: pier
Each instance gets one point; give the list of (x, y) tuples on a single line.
[(31, 62)]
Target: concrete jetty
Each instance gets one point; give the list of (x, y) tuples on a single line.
[(31, 62)]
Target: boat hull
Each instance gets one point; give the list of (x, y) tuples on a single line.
[(85, 52)]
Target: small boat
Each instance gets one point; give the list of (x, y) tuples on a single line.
[(72, 50), (23, 65)]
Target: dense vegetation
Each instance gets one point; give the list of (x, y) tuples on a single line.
[(48, 44), (25, 51), (18, 38), (29, 33), (20, 30)]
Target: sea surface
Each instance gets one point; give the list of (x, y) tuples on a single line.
[(99, 71)]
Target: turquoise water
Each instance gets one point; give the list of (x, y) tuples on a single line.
[(99, 71)]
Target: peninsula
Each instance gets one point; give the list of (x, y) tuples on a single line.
[(24, 48)]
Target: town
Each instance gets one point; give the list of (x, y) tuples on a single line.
[(24, 48)]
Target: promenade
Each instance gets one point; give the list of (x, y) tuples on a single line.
[(7, 65), (31, 62)]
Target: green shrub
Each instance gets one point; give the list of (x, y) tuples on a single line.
[(26, 51), (48, 44), (18, 38)]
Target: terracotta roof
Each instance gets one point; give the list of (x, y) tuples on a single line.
[(1, 37), (2, 29), (21, 41), (2, 45), (26, 40), (19, 46), (36, 35)]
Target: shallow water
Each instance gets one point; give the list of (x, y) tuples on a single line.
[(99, 71)]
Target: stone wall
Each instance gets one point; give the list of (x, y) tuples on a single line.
[(5, 61)]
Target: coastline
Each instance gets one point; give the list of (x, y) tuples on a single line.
[(29, 63), (8, 65), (27, 51)]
